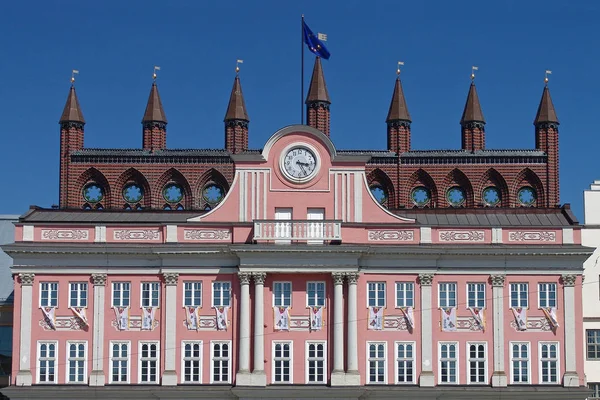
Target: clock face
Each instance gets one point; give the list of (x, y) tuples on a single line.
[(299, 164)]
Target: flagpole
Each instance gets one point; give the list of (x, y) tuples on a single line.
[(302, 71)]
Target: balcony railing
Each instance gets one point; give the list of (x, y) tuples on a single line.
[(311, 231)]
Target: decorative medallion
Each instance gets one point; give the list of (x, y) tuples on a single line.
[(213, 193), (527, 196), (456, 196), (132, 192), (491, 196), (173, 193), (93, 193), (420, 196)]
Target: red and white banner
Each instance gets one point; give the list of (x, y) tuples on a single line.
[(316, 318), (448, 319), (122, 318), (50, 314), (376, 318), (478, 316), (192, 317), (282, 318), (550, 313), (148, 316), (409, 315), (520, 314), (81, 314), (222, 317)]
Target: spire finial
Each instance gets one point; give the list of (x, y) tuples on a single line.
[(73, 75), (473, 69), (400, 63), (548, 72), (237, 66), (154, 73)]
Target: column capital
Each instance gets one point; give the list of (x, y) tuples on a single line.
[(244, 278), (426, 279), (259, 277), (171, 278), (26, 279), (99, 279), (338, 278), (568, 280), (352, 277), (497, 280)]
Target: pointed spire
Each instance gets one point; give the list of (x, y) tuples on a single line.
[(546, 112), (317, 90), (154, 109), (72, 112), (472, 111), (236, 109), (398, 110)]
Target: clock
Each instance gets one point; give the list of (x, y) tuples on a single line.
[(299, 163)]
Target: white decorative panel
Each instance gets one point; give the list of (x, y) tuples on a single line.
[(136, 234), (65, 234), (207, 234), (391, 235), (461, 236), (532, 236)]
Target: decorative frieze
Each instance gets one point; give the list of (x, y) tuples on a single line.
[(135, 323), (532, 236), (207, 234), (462, 236), (569, 280), (392, 235), (136, 234), (534, 324), (65, 234), (244, 278), (425, 279), (205, 323), (498, 280), (170, 278), (395, 323), (26, 279), (99, 279), (63, 323)]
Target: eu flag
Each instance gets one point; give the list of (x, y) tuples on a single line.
[(314, 43)]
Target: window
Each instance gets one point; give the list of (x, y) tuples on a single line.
[(447, 294), (448, 363), (49, 294), (476, 295), (46, 362), (148, 362), (282, 294), (77, 294), (518, 295), (547, 294), (315, 294), (520, 362), (376, 365), (593, 344), (220, 353), (119, 362), (549, 362), (192, 294), (405, 294), (477, 363), (282, 362), (595, 388), (221, 293), (316, 364), (192, 362), (405, 361), (150, 292), (376, 294), (121, 292), (76, 362)]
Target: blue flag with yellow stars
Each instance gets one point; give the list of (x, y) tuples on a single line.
[(314, 42)]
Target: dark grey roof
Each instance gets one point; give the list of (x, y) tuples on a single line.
[(476, 153), (108, 216), (155, 153), (373, 153)]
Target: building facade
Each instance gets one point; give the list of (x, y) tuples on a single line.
[(242, 273)]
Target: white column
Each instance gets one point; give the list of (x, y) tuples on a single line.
[(352, 376), (170, 375), (259, 378), (571, 378), (338, 377), (24, 374), (426, 379), (499, 378), (243, 377), (97, 377)]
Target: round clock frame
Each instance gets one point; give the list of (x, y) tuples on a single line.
[(301, 162)]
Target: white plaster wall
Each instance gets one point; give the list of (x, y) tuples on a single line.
[(591, 368)]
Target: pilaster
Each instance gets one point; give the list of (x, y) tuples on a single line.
[(352, 376), (169, 377), (426, 379), (97, 377), (259, 378), (499, 378), (24, 377), (338, 376), (243, 377)]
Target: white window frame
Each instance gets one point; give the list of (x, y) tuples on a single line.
[(376, 291), (307, 360), (512, 359), (405, 287), (316, 297), (221, 297), (398, 360), (546, 293), (519, 298), (199, 359), (49, 290), (477, 293), (120, 289), (193, 290), (79, 299), (477, 359), (76, 359), (456, 360), (152, 287), (55, 359), (149, 359), (549, 359), (449, 286), (274, 360), (283, 297), (228, 359), (376, 359), (119, 359), (594, 387)]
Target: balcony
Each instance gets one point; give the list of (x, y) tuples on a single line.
[(309, 231)]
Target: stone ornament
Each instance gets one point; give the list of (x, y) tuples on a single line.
[(569, 280), (259, 277), (99, 279), (338, 278), (352, 277), (26, 279), (244, 278), (498, 280), (171, 278), (425, 279)]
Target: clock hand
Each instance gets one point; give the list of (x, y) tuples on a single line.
[(302, 167)]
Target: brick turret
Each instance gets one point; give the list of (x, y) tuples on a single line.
[(472, 122), (154, 122), (398, 121), (71, 139), (546, 139), (236, 120), (317, 100)]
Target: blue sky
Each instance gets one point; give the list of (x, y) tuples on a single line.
[(115, 44)]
